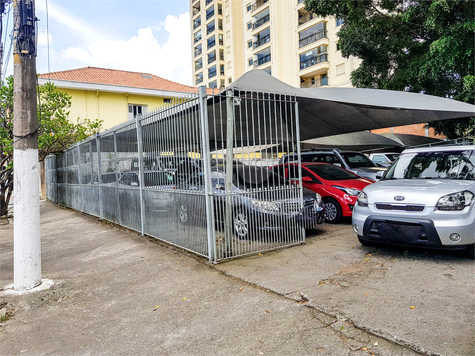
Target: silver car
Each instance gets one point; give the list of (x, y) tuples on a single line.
[(426, 199)]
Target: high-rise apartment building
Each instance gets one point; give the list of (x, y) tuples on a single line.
[(231, 37)]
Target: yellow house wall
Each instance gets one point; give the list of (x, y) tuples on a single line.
[(112, 108)]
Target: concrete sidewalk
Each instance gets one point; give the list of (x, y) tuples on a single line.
[(118, 293)]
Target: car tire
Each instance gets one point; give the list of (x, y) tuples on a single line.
[(332, 211), (470, 251), (183, 214), (364, 242), (241, 225)]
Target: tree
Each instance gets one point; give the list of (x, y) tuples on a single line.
[(417, 46), (55, 132)]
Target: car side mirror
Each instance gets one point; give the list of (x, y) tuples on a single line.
[(379, 175)]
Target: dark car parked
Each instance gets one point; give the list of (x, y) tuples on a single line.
[(355, 162), (256, 211)]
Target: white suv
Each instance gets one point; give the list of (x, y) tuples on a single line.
[(426, 199)]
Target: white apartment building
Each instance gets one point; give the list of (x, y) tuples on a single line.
[(231, 37)]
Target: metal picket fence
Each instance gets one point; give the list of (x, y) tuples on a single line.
[(195, 174)]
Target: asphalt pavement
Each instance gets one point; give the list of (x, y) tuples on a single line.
[(110, 291)]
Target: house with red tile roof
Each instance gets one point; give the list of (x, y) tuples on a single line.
[(114, 96)]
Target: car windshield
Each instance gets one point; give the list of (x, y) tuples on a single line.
[(356, 160), (331, 172), (434, 165)]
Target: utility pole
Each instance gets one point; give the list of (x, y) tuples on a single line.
[(26, 225)]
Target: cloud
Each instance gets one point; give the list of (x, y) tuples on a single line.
[(142, 53)]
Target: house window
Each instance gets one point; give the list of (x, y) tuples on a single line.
[(167, 101), (136, 110), (230, 80), (221, 54), (197, 36), (222, 83), (250, 61), (220, 24), (249, 25), (340, 22), (211, 57), (212, 72), (221, 69), (220, 39), (210, 13), (211, 42), (248, 7), (220, 9), (213, 84), (249, 44), (324, 79)]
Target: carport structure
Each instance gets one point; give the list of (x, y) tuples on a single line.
[(168, 174)]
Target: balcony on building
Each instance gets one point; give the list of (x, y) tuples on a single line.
[(313, 34), (210, 27), (212, 72), (261, 38), (211, 42), (258, 4), (305, 16), (261, 18), (314, 61), (198, 50), (211, 57), (197, 22), (314, 81), (199, 78), (262, 57), (198, 64), (197, 36), (196, 8), (210, 13)]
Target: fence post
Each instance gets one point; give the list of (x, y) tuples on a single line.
[(297, 137), (99, 175), (80, 178), (229, 173), (141, 175), (206, 157)]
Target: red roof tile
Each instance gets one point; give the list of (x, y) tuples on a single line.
[(118, 77)]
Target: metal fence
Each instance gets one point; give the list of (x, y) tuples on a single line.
[(194, 174)]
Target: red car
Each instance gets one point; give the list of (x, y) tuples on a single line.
[(338, 187)]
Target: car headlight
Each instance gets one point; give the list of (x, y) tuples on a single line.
[(362, 199), (455, 201), (349, 191), (265, 205), (318, 198)]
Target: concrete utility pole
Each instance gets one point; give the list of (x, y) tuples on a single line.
[(26, 226)]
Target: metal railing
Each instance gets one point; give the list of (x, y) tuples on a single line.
[(194, 174), (261, 41), (314, 60), (258, 4), (312, 38), (261, 61), (260, 22)]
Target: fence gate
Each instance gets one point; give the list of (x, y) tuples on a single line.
[(195, 174)]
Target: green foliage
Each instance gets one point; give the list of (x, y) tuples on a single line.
[(417, 46), (55, 131)]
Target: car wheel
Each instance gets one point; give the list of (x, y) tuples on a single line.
[(332, 211), (183, 214), (241, 225)]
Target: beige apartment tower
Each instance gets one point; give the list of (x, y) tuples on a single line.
[(231, 37)]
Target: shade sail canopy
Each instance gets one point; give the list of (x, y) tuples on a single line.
[(357, 141), (407, 140), (333, 111)]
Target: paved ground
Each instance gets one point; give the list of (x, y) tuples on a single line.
[(118, 293)]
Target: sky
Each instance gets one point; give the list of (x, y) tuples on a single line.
[(150, 36)]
